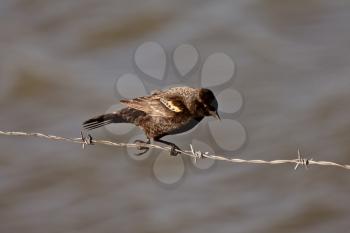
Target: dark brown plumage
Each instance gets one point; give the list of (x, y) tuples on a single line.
[(162, 113)]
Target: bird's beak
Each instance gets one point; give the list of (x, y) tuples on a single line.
[(215, 114)]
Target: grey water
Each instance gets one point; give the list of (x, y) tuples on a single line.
[(58, 64)]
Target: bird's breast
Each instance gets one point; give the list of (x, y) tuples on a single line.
[(161, 126)]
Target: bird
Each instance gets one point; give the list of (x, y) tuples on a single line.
[(162, 113)]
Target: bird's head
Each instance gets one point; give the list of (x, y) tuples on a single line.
[(208, 102)]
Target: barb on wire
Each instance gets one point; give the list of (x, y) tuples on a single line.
[(88, 140), (302, 161)]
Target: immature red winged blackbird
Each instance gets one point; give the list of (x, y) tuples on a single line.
[(162, 113)]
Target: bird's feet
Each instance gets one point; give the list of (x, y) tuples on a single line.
[(142, 148), (175, 150)]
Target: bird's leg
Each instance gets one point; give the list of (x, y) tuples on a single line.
[(143, 148), (174, 147)]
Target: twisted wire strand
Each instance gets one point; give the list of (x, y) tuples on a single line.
[(195, 154)]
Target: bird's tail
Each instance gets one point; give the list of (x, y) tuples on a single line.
[(103, 120)]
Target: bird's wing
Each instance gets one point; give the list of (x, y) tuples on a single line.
[(157, 105)]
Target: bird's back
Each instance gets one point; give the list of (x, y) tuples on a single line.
[(166, 112)]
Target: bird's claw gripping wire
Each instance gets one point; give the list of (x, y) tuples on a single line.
[(142, 148), (175, 150)]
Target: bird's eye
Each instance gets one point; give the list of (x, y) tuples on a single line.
[(211, 108)]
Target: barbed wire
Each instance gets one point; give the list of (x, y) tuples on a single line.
[(195, 154)]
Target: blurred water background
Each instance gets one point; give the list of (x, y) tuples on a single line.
[(58, 62)]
